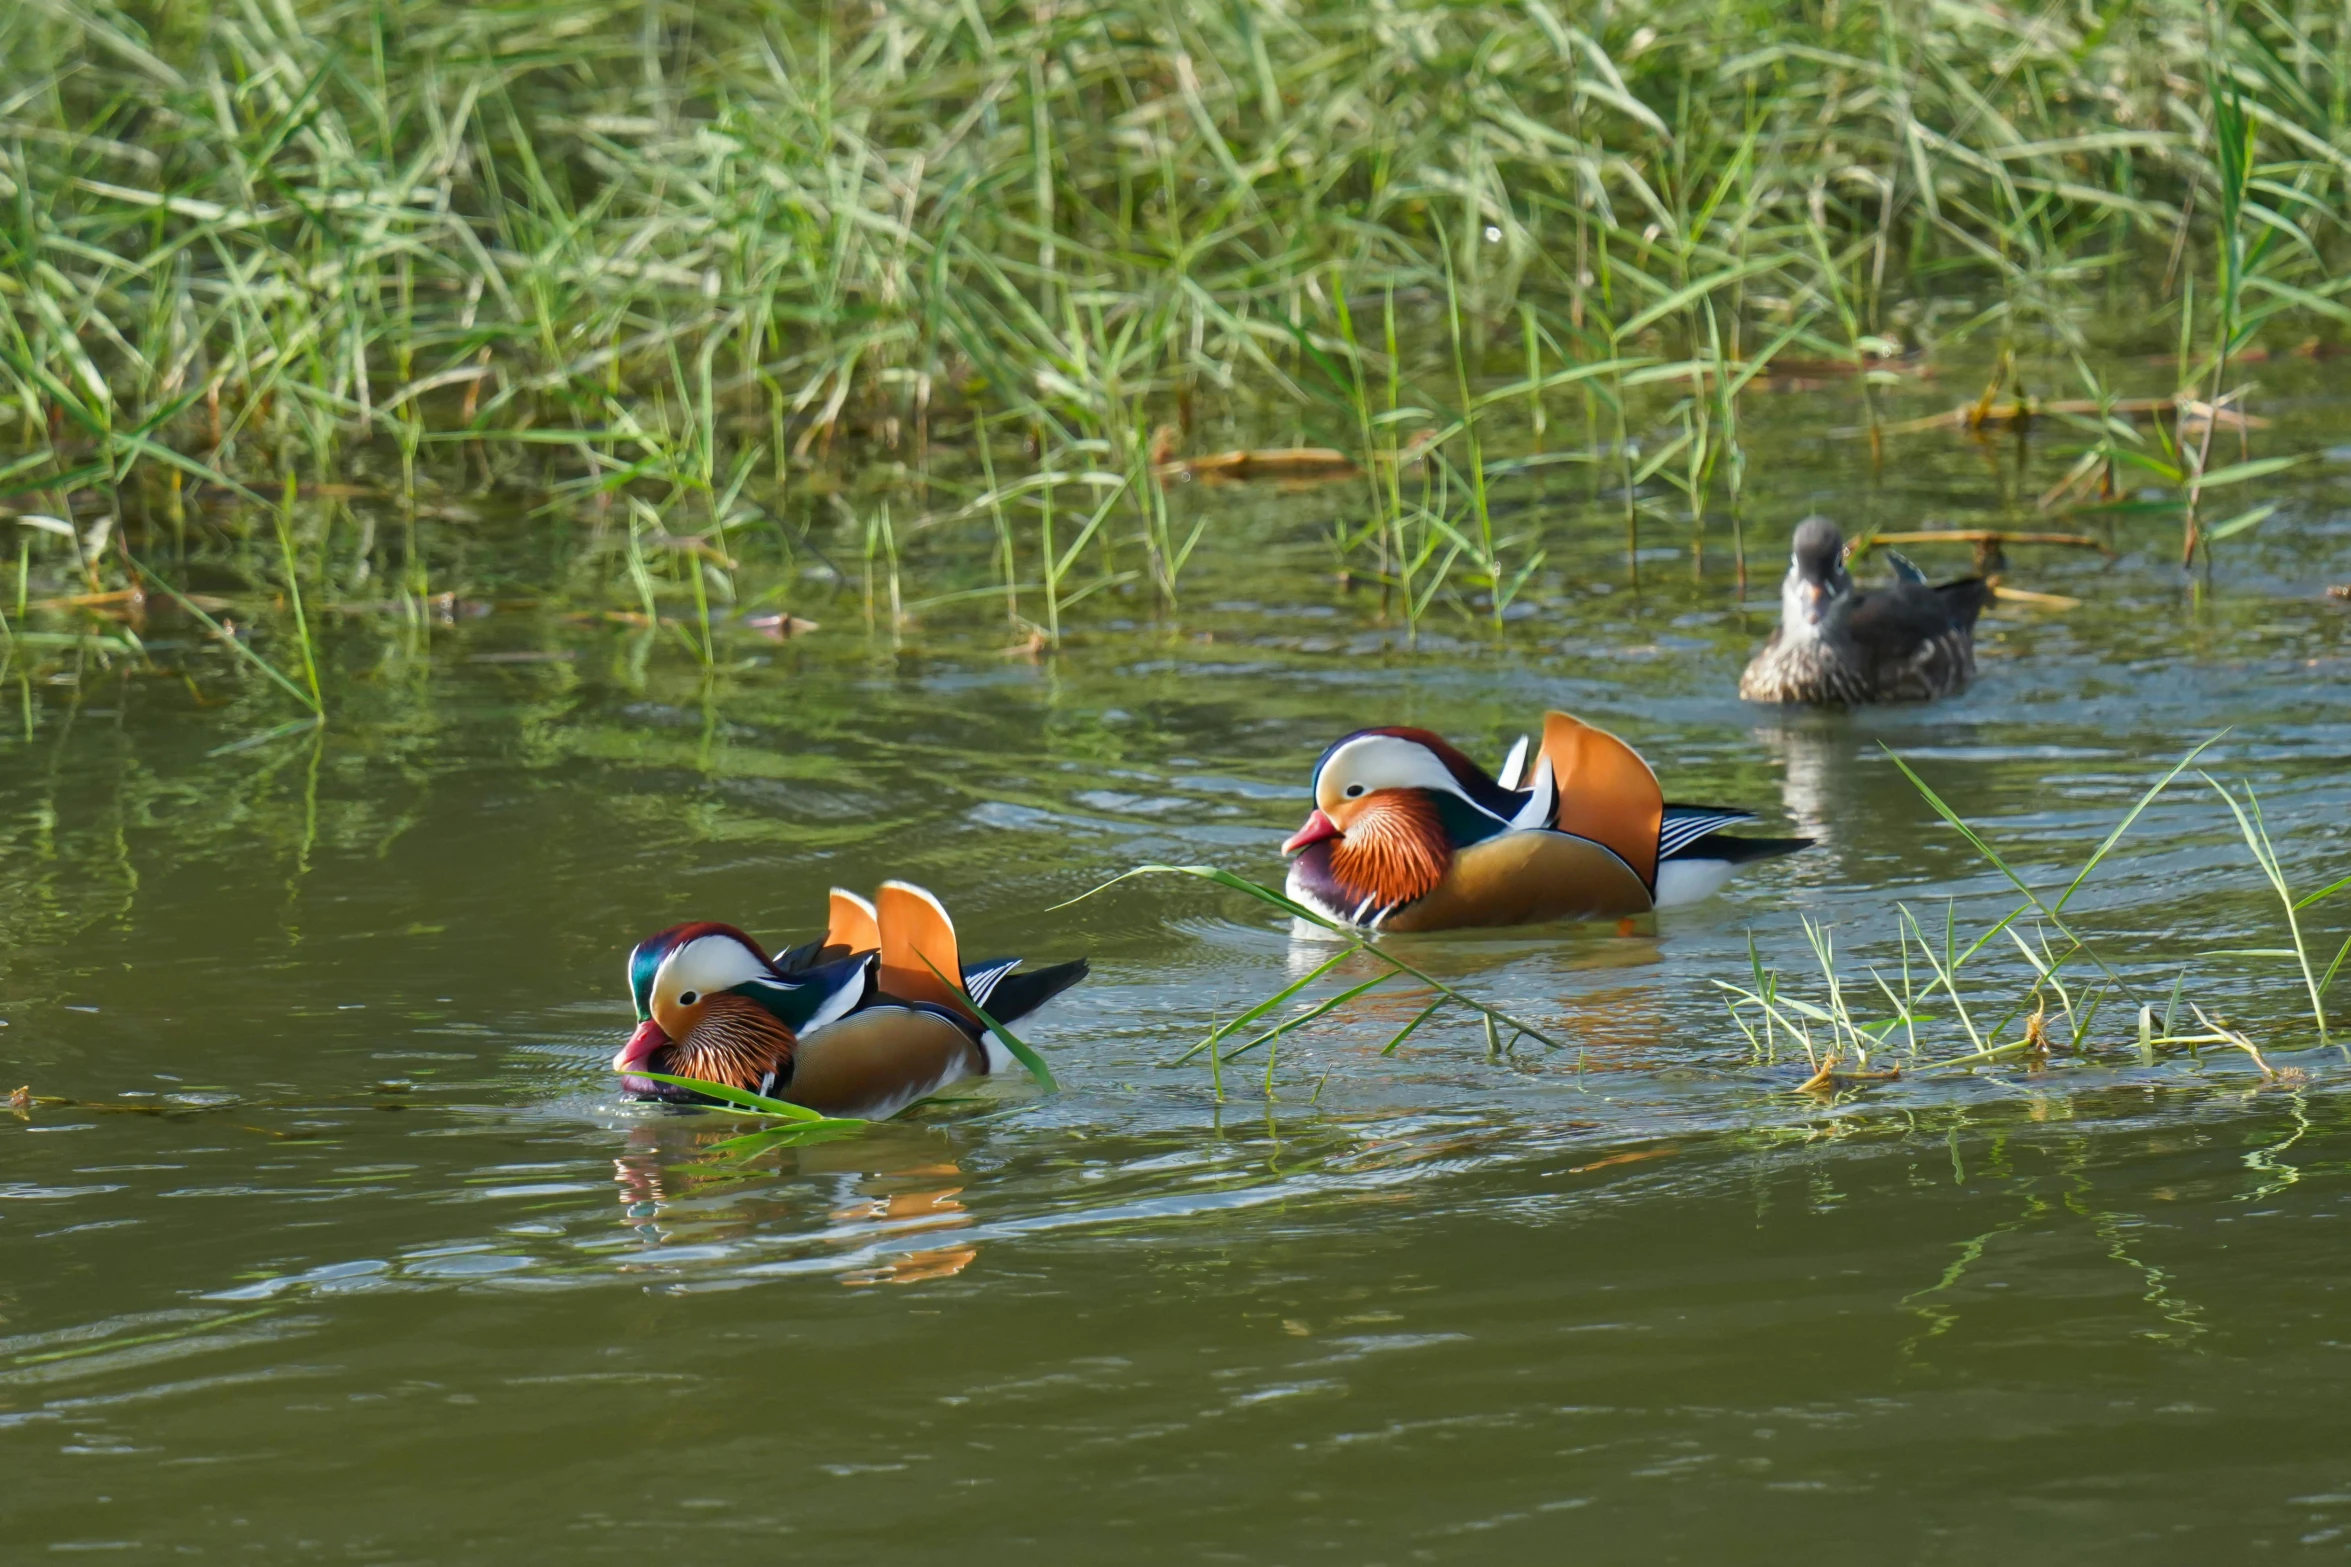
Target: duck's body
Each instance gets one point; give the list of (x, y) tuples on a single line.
[(1409, 834), (1840, 646), (880, 1059), (862, 1023)]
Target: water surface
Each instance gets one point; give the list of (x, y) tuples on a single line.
[(343, 1249)]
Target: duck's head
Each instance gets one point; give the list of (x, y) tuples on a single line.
[(1816, 573), (705, 996), (1390, 808)]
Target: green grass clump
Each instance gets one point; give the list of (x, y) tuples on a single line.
[(2050, 1014), (686, 255)]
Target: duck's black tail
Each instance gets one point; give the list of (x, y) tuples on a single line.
[(1964, 600), (1017, 994), (1738, 851)]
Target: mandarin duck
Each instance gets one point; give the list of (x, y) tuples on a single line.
[(1409, 834), (860, 1023), (1838, 646)]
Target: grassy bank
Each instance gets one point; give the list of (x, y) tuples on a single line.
[(694, 263)]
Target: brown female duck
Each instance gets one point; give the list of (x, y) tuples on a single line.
[(1839, 646)]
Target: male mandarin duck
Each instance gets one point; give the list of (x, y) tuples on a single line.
[(1838, 646), (1409, 834), (860, 1023)]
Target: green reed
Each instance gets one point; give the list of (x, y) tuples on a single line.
[(1844, 1038), (1354, 946), (695, 257)]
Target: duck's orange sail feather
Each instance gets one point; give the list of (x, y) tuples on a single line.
[(1606, 792), (852, 923), (919, 957)]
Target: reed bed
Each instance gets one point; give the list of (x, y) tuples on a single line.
[(1949, 1006), (933, 280)]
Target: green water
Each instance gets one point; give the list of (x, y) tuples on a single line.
[(342, 1248)]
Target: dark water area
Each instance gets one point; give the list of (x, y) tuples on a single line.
[(341, 1247)]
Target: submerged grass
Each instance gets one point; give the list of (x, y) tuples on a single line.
[(1840, 1046), (694, 261)]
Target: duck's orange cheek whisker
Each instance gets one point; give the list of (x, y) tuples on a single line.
[(1318, 829)]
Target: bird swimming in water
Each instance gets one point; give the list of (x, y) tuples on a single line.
[(1407, 833), (1839, 646), (861, 1023)]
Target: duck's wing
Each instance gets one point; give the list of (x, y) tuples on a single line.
[(1538, 803), (1513, 765), (1964, 600), (1010, 996), (1526, 878), (919, 956), (919, 950), (1890, 624), (1695, 857), (1904, 569), (1684, 825), (1693, 834), (850, 921)]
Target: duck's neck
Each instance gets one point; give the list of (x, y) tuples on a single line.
[(1800, 625)]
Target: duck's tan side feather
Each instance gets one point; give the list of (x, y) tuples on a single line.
[(1525, 878), (876, 1062), (1606, 792)]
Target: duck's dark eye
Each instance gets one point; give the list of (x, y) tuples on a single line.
[(688, 998), (1354, 790)]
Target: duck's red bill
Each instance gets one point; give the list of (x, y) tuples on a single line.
[(641, 1047), (1318, 828)]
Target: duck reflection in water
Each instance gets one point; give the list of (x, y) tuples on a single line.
[(888, 1208), (1823, 774), (878, 1191)]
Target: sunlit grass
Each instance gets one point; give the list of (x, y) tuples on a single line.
[(693, 262), (1931, 1018)]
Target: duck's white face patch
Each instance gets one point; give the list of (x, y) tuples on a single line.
[(1375, 762), (702, 967)]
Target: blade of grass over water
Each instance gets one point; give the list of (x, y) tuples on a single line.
[(1765, 997), (744, 1099), (2265, 855), (1021, 1050), (1358, 944), (1992, 857), (227, 638)]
